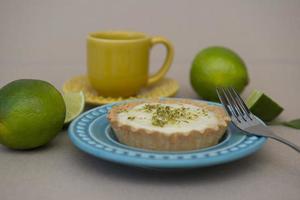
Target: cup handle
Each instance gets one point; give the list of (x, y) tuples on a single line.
[(168, 60)]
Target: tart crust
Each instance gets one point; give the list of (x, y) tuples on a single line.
[(177, 141)]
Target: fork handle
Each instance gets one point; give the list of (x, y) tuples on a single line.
[(282, 140)]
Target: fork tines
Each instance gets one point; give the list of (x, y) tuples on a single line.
[(233, 103)]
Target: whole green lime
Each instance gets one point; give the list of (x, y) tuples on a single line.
[(217, 67), (32, 112)]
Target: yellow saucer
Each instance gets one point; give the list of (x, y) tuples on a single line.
[(165, 88)]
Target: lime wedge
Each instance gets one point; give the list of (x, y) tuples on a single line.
[(74, 105), (263, 106)]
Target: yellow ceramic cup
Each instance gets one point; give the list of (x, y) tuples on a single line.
[(118, 62)]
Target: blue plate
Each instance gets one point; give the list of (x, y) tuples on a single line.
[(91, 132)]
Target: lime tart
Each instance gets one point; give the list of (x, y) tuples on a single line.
[(168, 125)]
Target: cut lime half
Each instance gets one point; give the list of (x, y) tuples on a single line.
[(74, 105), (263, 106)]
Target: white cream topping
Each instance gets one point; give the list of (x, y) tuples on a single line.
[(139, 118)]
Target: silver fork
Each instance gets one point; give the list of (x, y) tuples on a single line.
[(244, 119)]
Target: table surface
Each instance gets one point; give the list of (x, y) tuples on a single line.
[(61, 171), (46, 40)]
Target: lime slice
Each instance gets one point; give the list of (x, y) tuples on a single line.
[(263, 106), (74, 105)]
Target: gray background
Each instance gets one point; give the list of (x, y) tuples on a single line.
[(46, 40)]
